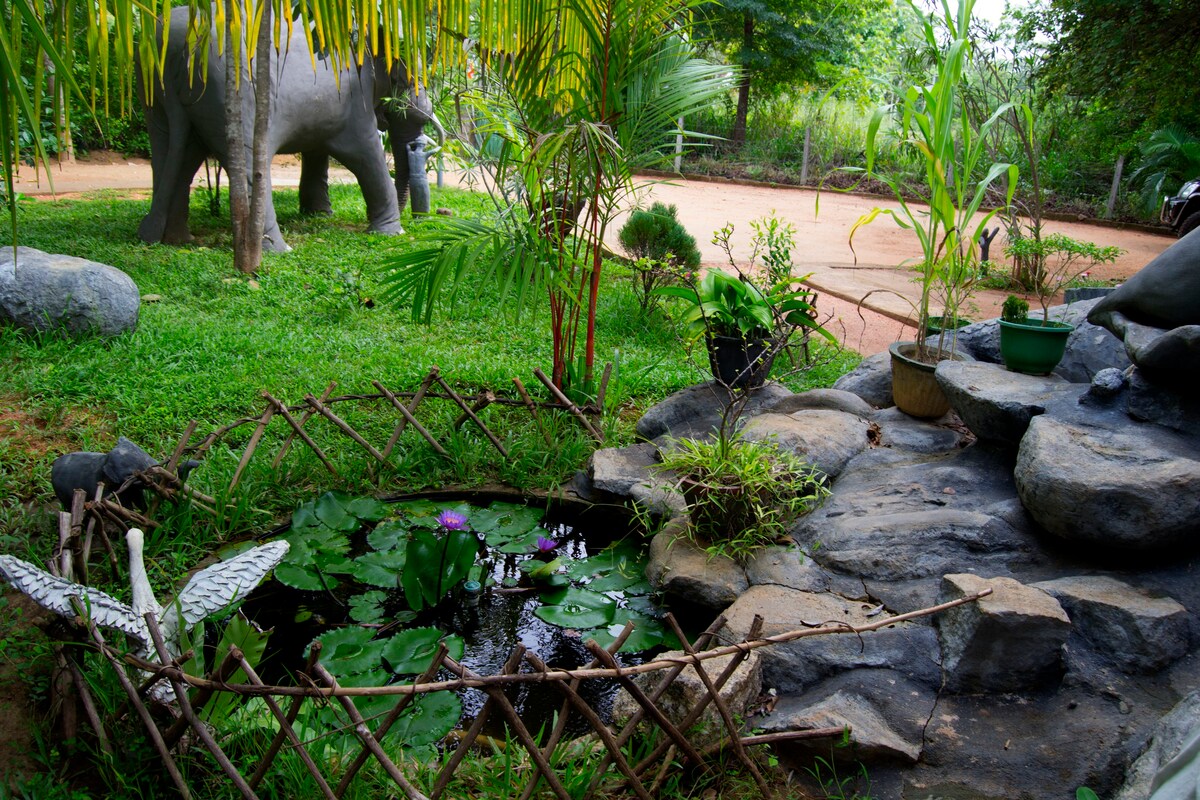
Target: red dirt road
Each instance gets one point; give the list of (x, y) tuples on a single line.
[(843, 276)]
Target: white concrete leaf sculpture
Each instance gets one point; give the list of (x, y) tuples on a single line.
[(210, 590)]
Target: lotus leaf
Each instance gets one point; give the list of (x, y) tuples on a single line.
[(576, 608), (380, 568), (410, 652), (427, 719), (349, 651), (367, 607), (388, 535), (331, 509), (367, 509)]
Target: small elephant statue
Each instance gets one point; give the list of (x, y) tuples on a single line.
[(316, 113), (86, 471)]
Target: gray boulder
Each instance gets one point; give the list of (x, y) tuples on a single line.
[(696, 411), (899, 431), (786, 566), (1010, 641), (1138, 632), (1169, 769), (801, 663), (1127, 487), (1168, 406), (996, 404), (616, 473), (871, 380), (832, 399), (873, 738), (681, 569), (898, 516), (826, 439), (44, 291)]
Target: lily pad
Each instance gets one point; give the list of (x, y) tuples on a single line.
[(647, 632), (389, 535), (367, 607), (367, 509), (576, 608), (507, 520), (410, 652), (306, 577), (380, 568), (332, 510), (429, 718), (305, 517), (349, 651)]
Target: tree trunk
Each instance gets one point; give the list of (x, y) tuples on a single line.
[(262, 118), (738, 137), (235, 137)]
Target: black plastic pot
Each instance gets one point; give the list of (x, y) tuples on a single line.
[(740, 363)]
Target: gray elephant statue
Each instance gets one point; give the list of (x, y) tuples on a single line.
[(317, 114)]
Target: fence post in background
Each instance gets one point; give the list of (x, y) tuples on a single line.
[(804, 155), (679, 146), (1116, 184)]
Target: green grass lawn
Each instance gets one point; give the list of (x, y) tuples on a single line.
[(216, 340)]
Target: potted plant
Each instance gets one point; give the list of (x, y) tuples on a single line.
[(1028, 344), (931, 123), (741, 495), (743, 326)]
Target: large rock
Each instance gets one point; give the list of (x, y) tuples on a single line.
[(896, 516), (688, 689), (44, 291), (899, 431), (996, 404), (826, 439), (1171, 762), (617, 473), (832, 399), (1138, 632), (786, 566), (1010, 641), (1168, 406), (871, 380), (1133, 487), (697, 410), (681, 569), (798, 664), (872, 737)]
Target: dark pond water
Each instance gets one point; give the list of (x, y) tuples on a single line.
[(547, 579)]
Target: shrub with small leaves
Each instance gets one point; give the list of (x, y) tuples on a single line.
[(661, 247)]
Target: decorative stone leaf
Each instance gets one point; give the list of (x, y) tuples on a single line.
[(367, 607), (429, 718), (576, 608), (380, 568), (350, 651), (410, 652), (367, 509), (332, 510), (389, 535)]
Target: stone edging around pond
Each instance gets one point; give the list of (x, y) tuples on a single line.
[(1054, 682)]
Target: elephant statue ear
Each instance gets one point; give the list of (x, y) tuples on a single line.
[(124, 460)]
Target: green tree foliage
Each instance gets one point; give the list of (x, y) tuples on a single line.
[(784, 42), (1168, 158), (1138, 58)]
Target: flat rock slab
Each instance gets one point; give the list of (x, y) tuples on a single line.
[(824, 438), (1010, 641), (1138, 632), (872, 737), (681, 569), (1128, 487), (45, 291), (996, 404), (696, 411), (899, 431), (831, 399), (786, 566), (796, 665), (896, 516)]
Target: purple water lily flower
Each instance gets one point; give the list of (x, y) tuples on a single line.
[(452, 520), (545, 545)]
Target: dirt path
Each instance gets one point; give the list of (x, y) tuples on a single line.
[(842, 275)]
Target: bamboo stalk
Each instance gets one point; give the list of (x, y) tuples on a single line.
[(285, 726), (529, 404), (771, 738), (485, 400), (143, 713), (298, 430), (404, 412), (251, 446), (417, 397), (296, 427), (574, 409), (185, 708), (518, 727), (224, 671), (364, 735), (89, 705), (471, 415), (344, 427), (723, 710), (264, 763)]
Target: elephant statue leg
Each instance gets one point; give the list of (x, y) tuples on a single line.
[(418, 175), (314, 183), (180, 196), (400, 159), (175, 155), (362, 153)]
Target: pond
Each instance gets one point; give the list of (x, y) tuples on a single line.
[(381, 584)]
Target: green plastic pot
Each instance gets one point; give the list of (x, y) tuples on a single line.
[(934, 325), (1033, 347)]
